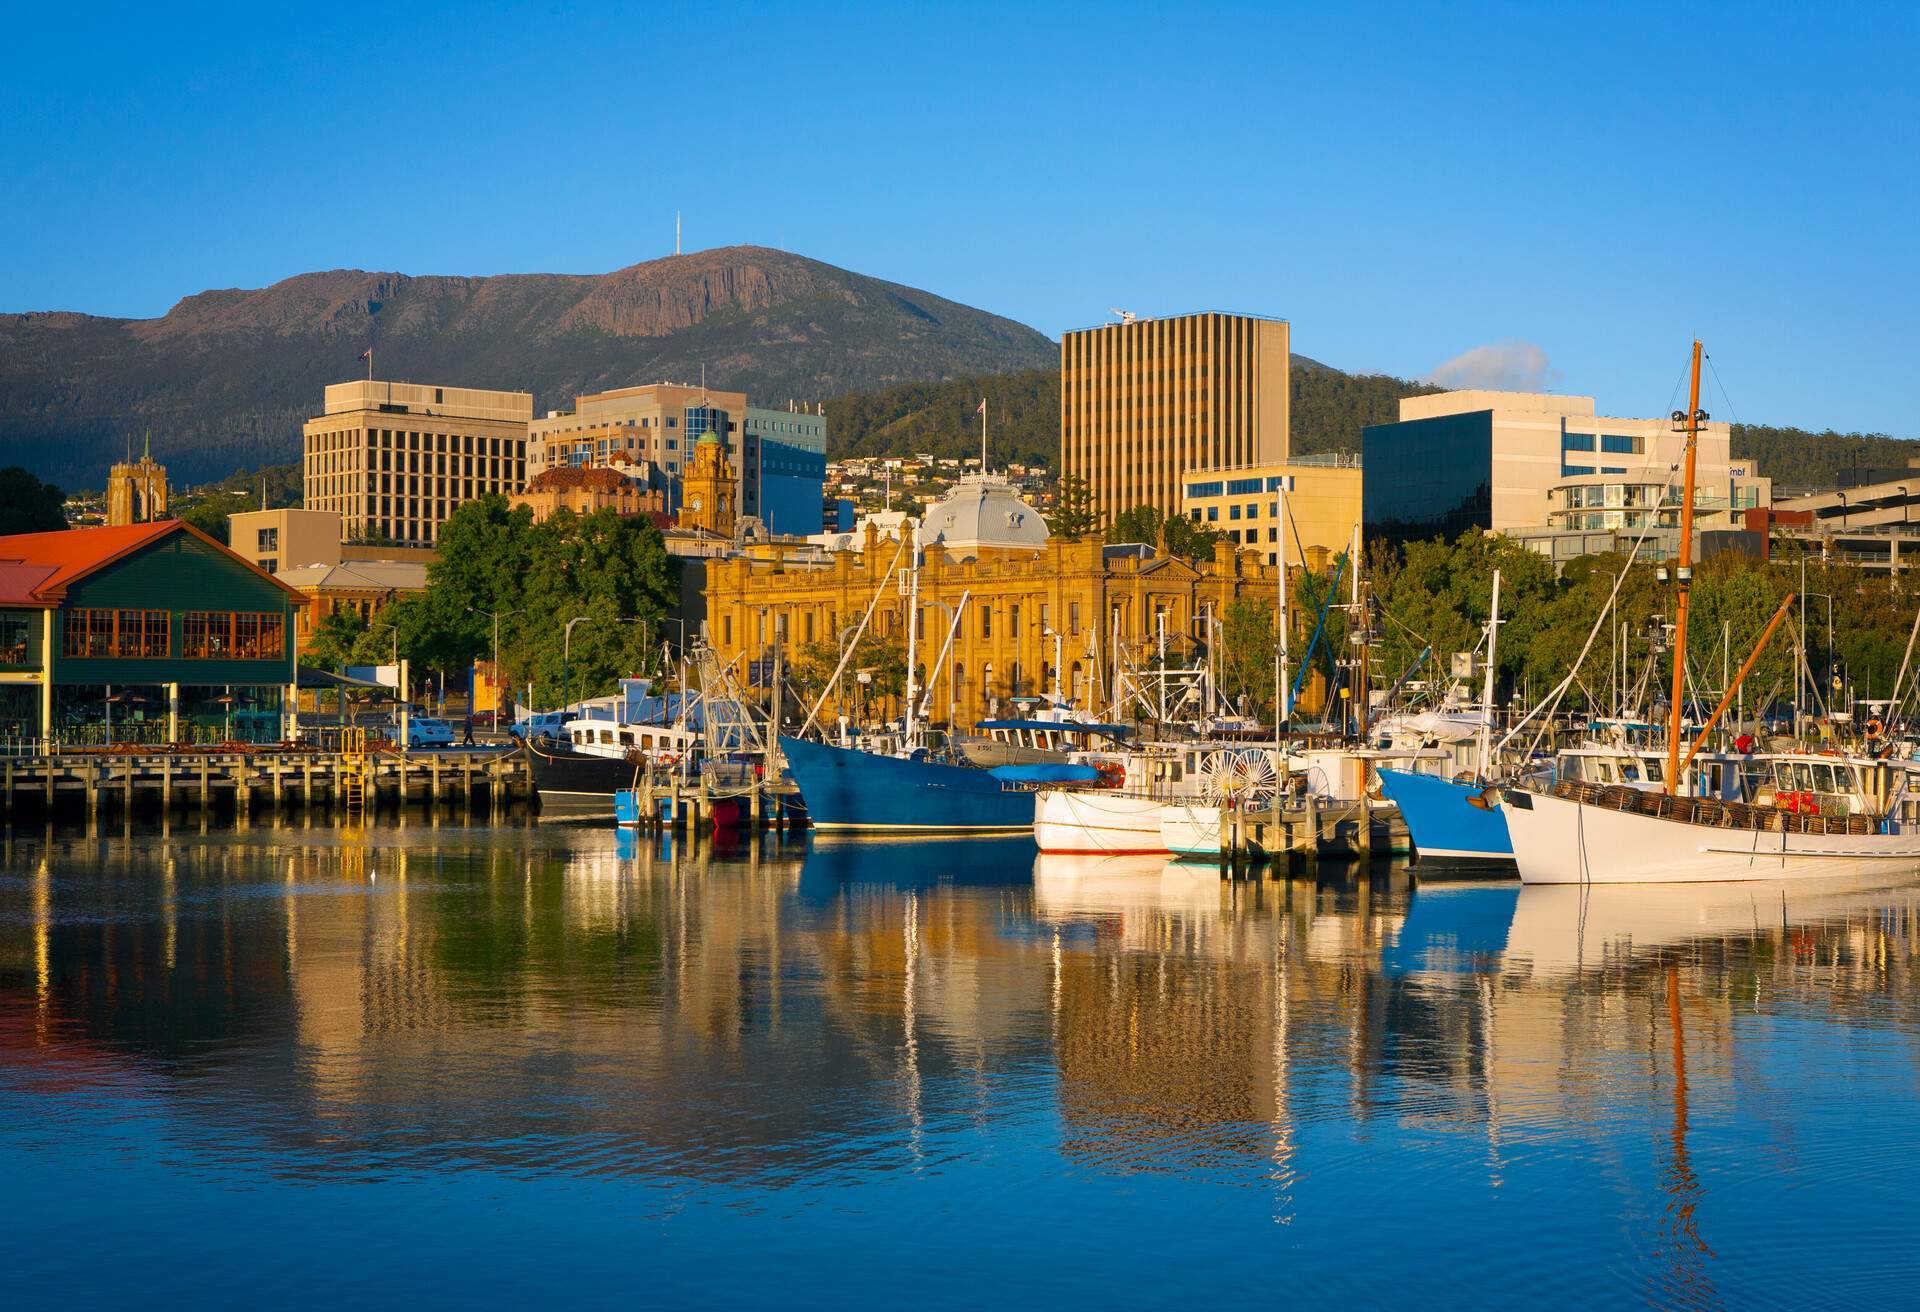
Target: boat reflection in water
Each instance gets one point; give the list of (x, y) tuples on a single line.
[(214, 1040)]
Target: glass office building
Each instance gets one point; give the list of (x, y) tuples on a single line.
[(1427, 478)]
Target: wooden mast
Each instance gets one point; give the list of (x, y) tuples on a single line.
[(1683, 577)]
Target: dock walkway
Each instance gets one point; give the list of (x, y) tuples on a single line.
[(163, 779)]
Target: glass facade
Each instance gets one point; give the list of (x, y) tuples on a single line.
[(1445, 477)]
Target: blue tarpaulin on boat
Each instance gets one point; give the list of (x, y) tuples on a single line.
[(1044, 774)]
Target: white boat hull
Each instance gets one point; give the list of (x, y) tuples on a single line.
[(1560, 841), (1066, 820)]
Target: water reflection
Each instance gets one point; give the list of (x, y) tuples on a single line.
[(310, 1004)]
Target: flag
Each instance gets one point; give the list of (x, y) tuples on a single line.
[(982, 407), (367, 354)]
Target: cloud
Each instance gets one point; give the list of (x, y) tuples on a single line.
[(1508, 366)]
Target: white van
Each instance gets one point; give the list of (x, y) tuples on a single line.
[(541, 726)]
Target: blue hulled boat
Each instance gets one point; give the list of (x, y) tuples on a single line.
[(1447, 827), (845, 789)]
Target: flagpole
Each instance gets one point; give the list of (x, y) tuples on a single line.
[(983, 437)]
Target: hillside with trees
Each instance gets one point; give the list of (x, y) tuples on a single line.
[(1798, 460), (1023, 414)]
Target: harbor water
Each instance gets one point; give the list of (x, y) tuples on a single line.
[(439, 1064)]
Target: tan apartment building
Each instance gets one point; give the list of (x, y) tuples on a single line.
[(1145, 400), (1322, 505), (394, 460), (1548, 469), (290, 537)]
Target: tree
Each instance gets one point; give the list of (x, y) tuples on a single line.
[(331, 644), (1073, 516), (1248, 642), (29, 506), (613, 575), (208, 511), (1139, 524), (1146, 524)]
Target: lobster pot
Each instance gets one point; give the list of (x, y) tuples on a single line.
[(1340, 776)]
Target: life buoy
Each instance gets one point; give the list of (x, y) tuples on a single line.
[(1112, 774), (1875, 728)]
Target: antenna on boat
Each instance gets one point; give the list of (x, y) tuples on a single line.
[(1689, 422)]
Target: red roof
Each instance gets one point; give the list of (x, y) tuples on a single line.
[(36, 568)]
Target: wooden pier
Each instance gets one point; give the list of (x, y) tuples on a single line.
[(1310, 828), (163, 780), (691, 805)]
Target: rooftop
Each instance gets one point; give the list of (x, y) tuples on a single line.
[(36, 568)]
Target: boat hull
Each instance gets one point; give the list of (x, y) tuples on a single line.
[(851, 791), (1092, 820), (568, 781), (1449, 834), (1558, 840)]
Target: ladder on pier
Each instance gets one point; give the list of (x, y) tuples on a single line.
[(356, 770)]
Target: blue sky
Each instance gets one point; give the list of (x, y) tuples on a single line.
[(1554, 193)]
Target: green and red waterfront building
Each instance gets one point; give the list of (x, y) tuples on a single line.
[(143, 633)]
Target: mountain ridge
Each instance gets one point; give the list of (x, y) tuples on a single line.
[(225, 377)]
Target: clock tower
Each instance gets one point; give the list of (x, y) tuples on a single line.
[(708, 489)]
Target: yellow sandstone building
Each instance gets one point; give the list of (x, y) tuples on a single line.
[(1323, 505), (1025, 600)]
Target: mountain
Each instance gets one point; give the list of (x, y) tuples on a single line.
[(224, 379)]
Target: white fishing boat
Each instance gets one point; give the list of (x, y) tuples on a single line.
[(1159, 782), (1582, 832)]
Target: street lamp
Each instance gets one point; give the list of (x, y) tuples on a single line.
[(1843, 508), (1905, 505), (566, 650), (496, 614)]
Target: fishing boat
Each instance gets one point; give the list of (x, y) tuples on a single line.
[(1582, 832), (1160, 795), (848, 789), (913, 783)]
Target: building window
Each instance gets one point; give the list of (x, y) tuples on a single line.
[(245, 635), (104, 633), (1618, 445), (986, 621), (1233, 512), (269, 540), (16, 638), (88, 633), (1073, 619), (1577, 442)]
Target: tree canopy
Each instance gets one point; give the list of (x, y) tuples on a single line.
[(611, 576), (29, 506)]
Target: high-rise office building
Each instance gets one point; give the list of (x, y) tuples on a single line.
[(1145, 400), (394, 460)]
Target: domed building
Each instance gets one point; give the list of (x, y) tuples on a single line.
[(982, 517)]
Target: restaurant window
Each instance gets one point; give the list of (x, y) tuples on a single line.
[(246, 635), (88, 633), (16, 638)]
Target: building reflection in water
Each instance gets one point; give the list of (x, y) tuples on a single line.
[(554, 1000)]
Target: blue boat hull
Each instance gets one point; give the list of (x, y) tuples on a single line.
[(849, 790), (1446, 828)]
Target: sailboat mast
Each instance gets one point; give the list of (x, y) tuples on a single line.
[(1683, 578), (1486, 694)]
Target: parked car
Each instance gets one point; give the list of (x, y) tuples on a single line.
[(425, 731), (542, 726)]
